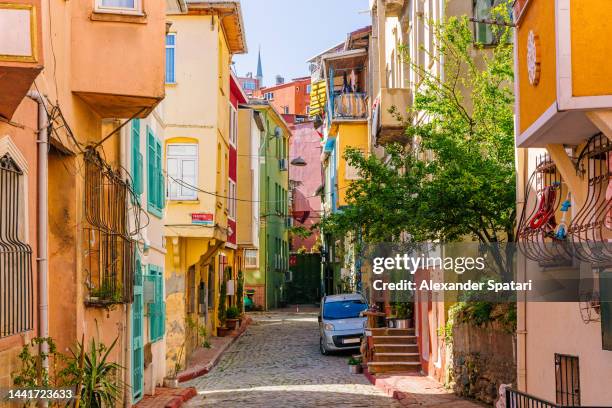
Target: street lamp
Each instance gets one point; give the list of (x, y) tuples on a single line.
[(298, 162)]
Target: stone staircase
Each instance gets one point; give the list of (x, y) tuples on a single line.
[(395, 350)]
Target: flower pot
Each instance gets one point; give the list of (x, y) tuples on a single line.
[(355, 369), (232, 323), (402, 323), (223, 331), (171, 382)]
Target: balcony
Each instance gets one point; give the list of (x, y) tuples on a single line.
[(562, 69), (390, 112), (118, 56), (346, 77), (21, 57)]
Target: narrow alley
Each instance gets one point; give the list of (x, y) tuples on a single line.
[(277, 363)]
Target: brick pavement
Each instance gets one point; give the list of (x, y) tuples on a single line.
[(277, 363), (167, 398)]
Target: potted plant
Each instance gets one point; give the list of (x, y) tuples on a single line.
[(240, 296), (231, 317), (355, 365), (171, 381), (403, 315)]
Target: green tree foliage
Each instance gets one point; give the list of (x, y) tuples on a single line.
[(456, 177)]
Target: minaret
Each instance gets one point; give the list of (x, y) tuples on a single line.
[(259, 75)]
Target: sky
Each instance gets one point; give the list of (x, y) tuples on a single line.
[(291, 31)]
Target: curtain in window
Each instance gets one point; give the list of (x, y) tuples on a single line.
[(482, 10), (119, 3)]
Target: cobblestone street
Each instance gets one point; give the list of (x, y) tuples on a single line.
[(277, 364)]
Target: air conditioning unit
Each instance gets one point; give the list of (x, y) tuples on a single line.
[(283, 164), (288, 276)]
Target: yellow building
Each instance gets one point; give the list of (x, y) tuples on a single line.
[(563, 81), (200, 124)]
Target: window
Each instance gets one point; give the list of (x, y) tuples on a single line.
[(136, 158), (269, 96), (119, 6), (482, 11), (157, 309), (233, 131), (308, 110), (170, 58), (249, 85), (16, 302), (567, 380), (155, 177), (308, 88), (231, 200), (182, 164), (250, 258), (286, 110)]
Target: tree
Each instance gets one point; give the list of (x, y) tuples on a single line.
[(456, 177)]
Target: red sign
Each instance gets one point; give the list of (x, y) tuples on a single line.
[(292, 260), (202, 218)]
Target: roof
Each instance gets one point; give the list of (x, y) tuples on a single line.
[(351, 39), (344, 296), (230, 13), (283, 85), (263, 105)]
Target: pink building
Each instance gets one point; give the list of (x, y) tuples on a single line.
[(305, 144)]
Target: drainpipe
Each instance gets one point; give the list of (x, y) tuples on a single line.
[(42, 198)]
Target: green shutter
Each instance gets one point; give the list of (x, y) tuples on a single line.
[(136, 157), (157, 309), (154, 188), (160, 175)]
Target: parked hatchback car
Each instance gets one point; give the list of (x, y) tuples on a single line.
[(341, 325)]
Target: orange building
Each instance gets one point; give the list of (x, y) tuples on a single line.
[(288, 98)]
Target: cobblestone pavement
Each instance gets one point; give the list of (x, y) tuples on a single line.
[(277, 363)]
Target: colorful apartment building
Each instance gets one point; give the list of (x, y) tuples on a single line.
[(288, 98), (340, 96), (563, 134), (21, 228), (200, 143), (89, 191), (250, 83), (269, 277)]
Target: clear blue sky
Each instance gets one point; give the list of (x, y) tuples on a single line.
[(292, 31)]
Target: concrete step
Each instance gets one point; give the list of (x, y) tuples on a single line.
[(398, 357), (396, 348), (401, 339), (388, 331), (376, 367)]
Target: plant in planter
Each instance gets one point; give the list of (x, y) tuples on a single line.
[(403, 315), (355, 365), (240, 292), (171, 381), (231, 317)]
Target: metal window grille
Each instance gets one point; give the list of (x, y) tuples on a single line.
[(109, 250), (545, 191), (567, 380), (16, 277)]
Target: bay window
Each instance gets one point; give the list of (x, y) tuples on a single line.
[(182, 165)]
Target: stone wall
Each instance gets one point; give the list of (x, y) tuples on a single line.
[(483, 359)]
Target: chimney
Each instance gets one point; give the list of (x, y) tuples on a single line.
[(280, 80)]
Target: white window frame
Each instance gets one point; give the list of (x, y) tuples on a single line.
[(180, 197), (269, 96), (250, 265), (231, 200), (136, 10), (233, 128)]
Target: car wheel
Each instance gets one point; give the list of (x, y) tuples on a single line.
[(322, 347)]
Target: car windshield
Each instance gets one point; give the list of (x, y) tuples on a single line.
[(344, 309)]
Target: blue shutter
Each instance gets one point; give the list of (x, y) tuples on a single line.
[(157, 309), (170, 58)]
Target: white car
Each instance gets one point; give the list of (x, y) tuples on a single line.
[(340, 323)]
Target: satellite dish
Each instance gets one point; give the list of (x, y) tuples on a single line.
[(278, 132)]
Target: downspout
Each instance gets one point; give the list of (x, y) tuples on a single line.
[(42, 234)]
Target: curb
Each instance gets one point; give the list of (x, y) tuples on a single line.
[(202, 369), (185, 395), (391, 391)]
